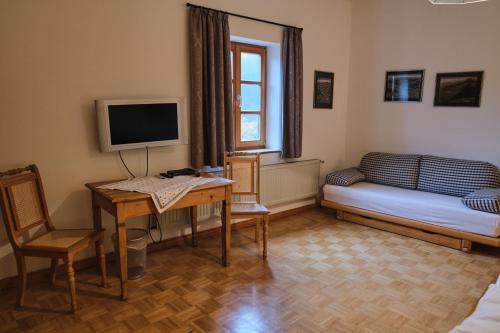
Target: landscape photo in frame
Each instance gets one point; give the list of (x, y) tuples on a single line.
[(458, 89)]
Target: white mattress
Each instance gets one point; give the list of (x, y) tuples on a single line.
[(486, 317), (438, 209)]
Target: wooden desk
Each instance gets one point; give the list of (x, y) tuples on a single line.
[(123, 205)]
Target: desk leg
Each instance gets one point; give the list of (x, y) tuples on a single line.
[(193, 210), (96, 212), (121, 231), (226, 227)]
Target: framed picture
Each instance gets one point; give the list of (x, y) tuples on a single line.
[(323, 90), (404, 86), (458, 89)]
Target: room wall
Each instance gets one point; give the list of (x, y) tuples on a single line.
[(413, 34), (58, 56)]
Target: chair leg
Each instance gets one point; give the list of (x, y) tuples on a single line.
[(98, 262), (71, 282), (257, 231), (53, 270), (266, 236), (22, 279), (101, 253)]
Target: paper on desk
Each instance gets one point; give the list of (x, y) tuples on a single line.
[(165, 192)]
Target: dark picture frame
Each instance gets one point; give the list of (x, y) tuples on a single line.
[(462, 89), (404, 86), (323, 90)]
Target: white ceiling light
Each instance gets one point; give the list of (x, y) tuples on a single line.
[(454, 2)]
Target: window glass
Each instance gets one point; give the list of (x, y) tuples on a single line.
[(250, 97), (232, 65), (250, 127), (250, 67)]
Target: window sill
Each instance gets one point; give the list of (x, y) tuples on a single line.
[(259, 151)]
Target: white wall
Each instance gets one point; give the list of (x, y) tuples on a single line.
[(413, 34), (58, 56)]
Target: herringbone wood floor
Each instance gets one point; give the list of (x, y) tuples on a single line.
[(321, 276)]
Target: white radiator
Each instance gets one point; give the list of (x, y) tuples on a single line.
[(280, 184), (288, 182)]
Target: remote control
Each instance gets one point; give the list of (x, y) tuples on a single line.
[(180, 172)]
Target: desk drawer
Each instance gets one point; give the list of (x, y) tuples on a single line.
[(201, 197), (144, 207)]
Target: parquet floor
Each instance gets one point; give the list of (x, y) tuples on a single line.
[(321, 276)]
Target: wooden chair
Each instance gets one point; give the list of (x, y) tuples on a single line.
[(244, 168), (23, 208)]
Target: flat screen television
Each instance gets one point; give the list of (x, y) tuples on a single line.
[(139, 123)]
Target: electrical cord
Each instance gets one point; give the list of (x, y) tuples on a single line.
[(124, 164), (154, 224), (153, 219), (126, 167), (147, 160)]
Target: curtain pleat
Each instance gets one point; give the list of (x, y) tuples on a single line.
[(212, 120), (292, 65)]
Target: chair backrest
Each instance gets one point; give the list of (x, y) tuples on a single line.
[(22, 202), (244, 169)]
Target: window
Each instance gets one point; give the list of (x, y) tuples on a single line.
[(249, 95)]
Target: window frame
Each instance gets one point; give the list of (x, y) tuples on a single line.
[(237, 49)]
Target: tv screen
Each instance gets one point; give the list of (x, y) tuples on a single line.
[(137, 123)]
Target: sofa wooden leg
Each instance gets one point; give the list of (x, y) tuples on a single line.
[(340, 214), (466, 246)]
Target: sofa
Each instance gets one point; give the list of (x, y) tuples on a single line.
[(445, 201)]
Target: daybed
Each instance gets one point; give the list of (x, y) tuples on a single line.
[(417, 196)]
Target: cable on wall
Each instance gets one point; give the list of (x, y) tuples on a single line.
[(153, 219), (125, 165), (147, 160)]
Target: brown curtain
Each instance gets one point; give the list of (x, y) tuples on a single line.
[(292, 92), (212, 124)]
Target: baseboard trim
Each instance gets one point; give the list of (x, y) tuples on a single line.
[(39, 275)]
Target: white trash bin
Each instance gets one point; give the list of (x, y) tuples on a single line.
[(137, 242)]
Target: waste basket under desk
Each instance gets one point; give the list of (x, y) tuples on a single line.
[(137, 243), (124, 204)]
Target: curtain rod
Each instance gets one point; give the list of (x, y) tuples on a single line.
[(245, 17)]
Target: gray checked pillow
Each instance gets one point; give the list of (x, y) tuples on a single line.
[(455, 177), (486, 200), (400, 170), (345, 177)]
